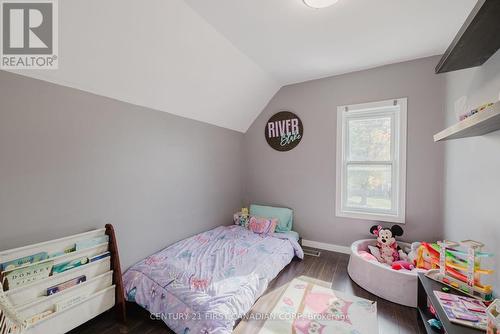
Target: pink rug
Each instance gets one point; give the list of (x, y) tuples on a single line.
[(308, 306)]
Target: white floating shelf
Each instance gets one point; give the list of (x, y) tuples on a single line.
[(479, 124)]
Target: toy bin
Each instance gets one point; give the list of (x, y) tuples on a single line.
[(397, 286)]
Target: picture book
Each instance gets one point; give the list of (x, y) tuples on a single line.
[(61, 267), (84, 244), (66, 285), (100, 256), (465, 311), (27, 275), (24, 260)]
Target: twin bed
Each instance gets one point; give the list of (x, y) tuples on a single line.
[(205, 283)]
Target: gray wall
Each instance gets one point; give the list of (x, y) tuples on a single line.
[(472, 165), (304, 178), (71, 161)]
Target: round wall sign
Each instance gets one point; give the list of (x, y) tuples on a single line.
[(284, 131)]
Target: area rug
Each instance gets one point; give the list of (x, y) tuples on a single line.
[(308, 306)]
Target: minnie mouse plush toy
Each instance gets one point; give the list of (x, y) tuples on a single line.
[(386, 242)]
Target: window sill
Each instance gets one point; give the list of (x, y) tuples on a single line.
[(371, 217)]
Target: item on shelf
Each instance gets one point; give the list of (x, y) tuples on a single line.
[(436, 324), (70, 249), (462, 310), (66, 285), (24, 260), (425, 259), (475, 111), (67, 250), (62, 267), (41, 300), (493, 316), (389, 250), (460, 267), (100, 256), (26, 275), (89, 243)]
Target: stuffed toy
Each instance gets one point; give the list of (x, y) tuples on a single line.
[(413, 253), (387, 245), (375, 251), (242, 218), (398, 265)]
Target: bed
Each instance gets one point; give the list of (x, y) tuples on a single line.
[(205, 283)]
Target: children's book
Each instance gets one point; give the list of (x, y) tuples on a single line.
[(24, 260), (62, 267), (88, 243), (100, 256), (66, 285), (27, 275), (462, 310)]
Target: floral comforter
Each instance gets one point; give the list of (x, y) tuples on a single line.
[(203, 284)]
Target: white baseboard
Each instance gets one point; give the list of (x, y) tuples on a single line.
[(325, 246)]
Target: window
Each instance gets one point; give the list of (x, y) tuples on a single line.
[(371, 161)]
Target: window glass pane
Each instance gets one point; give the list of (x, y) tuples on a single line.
[(369, 139), (369, 187)]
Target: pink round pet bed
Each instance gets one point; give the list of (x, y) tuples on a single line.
[(398, 286)]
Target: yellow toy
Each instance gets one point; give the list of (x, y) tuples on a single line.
[(424, 259), (244, 212)]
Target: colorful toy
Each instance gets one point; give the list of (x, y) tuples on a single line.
[(436, 324), (398, 265), (242, 218), (460, 267), (386, 243), (493, 314), (244, 212), (424, 258)]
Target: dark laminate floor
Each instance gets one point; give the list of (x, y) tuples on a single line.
[(330, 266)]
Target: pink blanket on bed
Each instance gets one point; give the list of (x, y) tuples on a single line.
[(203, 284)]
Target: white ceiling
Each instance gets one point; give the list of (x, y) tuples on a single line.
[(158, 54), (295, 43), (221, 61)]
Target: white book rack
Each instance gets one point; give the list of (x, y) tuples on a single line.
[(28, 308)]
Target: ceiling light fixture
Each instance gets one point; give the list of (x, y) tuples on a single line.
[(319, 3)]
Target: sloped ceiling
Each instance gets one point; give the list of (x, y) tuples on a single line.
[(295, 43), (220, 61), (158, 54)]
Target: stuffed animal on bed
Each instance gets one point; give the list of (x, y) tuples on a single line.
[(389, 251)]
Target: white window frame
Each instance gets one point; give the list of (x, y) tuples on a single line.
[(398, 161)]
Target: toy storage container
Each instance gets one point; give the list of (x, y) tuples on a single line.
[(397, 286)]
